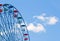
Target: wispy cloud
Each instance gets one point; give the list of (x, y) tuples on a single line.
[(36, 28), (51, 20), (41, 17)]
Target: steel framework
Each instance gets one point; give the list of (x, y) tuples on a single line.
[(12, 25)]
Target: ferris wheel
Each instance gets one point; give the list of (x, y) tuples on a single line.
[(12, 25)]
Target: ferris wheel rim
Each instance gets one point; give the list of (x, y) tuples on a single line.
[(22, 19)]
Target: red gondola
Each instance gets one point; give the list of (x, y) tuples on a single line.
[(15, 11), (0, 10), (26, 39), (0, 4)]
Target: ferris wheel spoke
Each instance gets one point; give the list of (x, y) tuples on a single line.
[(3, 32), (3, 38)]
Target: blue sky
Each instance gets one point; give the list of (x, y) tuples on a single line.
[(41, 16)]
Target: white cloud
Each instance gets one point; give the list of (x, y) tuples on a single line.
[(38, 28), (52, 20), (49, 20), (41, 17)]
